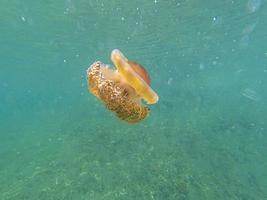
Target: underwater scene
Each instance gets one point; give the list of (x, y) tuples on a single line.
[(133, 100)]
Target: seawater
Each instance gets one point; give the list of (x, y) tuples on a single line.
[(205, 138)]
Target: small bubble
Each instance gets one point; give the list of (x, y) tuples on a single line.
[(23, 18), (122, 18), (64, 61)]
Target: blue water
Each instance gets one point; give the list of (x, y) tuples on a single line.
[(204, 139)]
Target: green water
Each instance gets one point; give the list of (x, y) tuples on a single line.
[(205, 139)]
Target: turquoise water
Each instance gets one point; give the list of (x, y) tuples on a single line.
[(205, 138)]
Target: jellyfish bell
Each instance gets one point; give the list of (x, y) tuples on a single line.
[(134, 79), (122, 90), (140, 70)]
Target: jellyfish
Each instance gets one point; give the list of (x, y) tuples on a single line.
[(123, 90)]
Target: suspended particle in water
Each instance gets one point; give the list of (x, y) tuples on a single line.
[(240, 71), (69, 6), (217, 20), (5, 85), (243, 43), (201, 66), (249, 28), (23, 18), (250, 94), (169, 82), (253, 5), (66, 11)]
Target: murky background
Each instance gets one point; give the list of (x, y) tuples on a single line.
[(205, 139)]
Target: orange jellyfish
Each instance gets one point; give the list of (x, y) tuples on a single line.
[(122, 89)]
